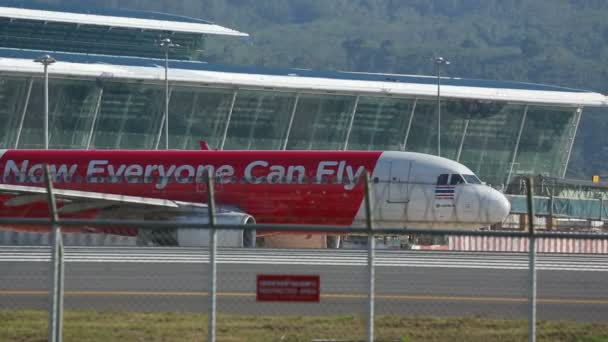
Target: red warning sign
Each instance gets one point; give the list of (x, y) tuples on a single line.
[(288, 288)]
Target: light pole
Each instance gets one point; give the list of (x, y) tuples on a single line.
[(439, 62), (166, 45), (46, 60)]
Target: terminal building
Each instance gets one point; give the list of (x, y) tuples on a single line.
[(107, 91)]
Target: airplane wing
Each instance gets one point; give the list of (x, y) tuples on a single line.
[(75, 201), (24, 195), (99, 205)]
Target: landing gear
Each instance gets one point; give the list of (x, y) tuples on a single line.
[(249, 240), (333, 241)]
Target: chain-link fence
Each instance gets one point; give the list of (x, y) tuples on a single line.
[(415, 284)]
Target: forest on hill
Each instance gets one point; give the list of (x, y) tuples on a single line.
[(558, 42)]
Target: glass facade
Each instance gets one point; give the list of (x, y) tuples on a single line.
[(545, 141), (259, 120), (496, 140), (93, 39), (380, 123), (490, 142)]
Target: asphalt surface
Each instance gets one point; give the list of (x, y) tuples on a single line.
[(572, 287)]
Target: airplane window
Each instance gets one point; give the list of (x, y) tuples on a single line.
[(456, 179), (471, 179), (442, 179)]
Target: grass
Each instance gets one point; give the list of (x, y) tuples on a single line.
[(80, 325)]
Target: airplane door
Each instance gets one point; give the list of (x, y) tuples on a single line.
[(398, 181)]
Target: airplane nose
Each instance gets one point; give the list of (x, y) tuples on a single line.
[(499, 206)]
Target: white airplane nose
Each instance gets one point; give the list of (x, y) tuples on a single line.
[(499, 206)]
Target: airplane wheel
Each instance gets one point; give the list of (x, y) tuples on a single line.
[(333, 241), (249, 239)]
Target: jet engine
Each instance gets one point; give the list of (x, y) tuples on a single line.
[(198, 237)]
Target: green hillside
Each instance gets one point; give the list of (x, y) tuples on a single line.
[(559, 42)]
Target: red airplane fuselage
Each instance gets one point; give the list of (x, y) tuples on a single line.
[(284, 187)]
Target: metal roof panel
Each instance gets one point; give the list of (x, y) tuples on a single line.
[(73, 64), (137, 20)]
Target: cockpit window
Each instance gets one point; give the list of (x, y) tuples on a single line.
[(456, 179), (471, 179), (442, 179)]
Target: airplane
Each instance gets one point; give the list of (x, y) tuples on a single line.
[(410, 190)]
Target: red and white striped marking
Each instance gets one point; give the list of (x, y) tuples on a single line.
[(518, 244)]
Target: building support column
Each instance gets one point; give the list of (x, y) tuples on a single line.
[(464, 134), (579, 114), (223, 141), (350, 124), (164, 121), (293, 115), (24, 111), (409, 125), (516, 148), (94, 121)]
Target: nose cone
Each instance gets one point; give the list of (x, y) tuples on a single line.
[(499, 206)]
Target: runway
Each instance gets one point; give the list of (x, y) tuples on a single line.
[(407, 282)]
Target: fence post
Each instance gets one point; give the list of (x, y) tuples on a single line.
[(212, 261), (371, 244), (56, 311), (532, 265)]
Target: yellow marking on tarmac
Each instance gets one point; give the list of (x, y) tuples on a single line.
[(323, 296)]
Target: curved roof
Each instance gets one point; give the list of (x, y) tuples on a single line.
[(86, 15), (85, 9), (72, 64)]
